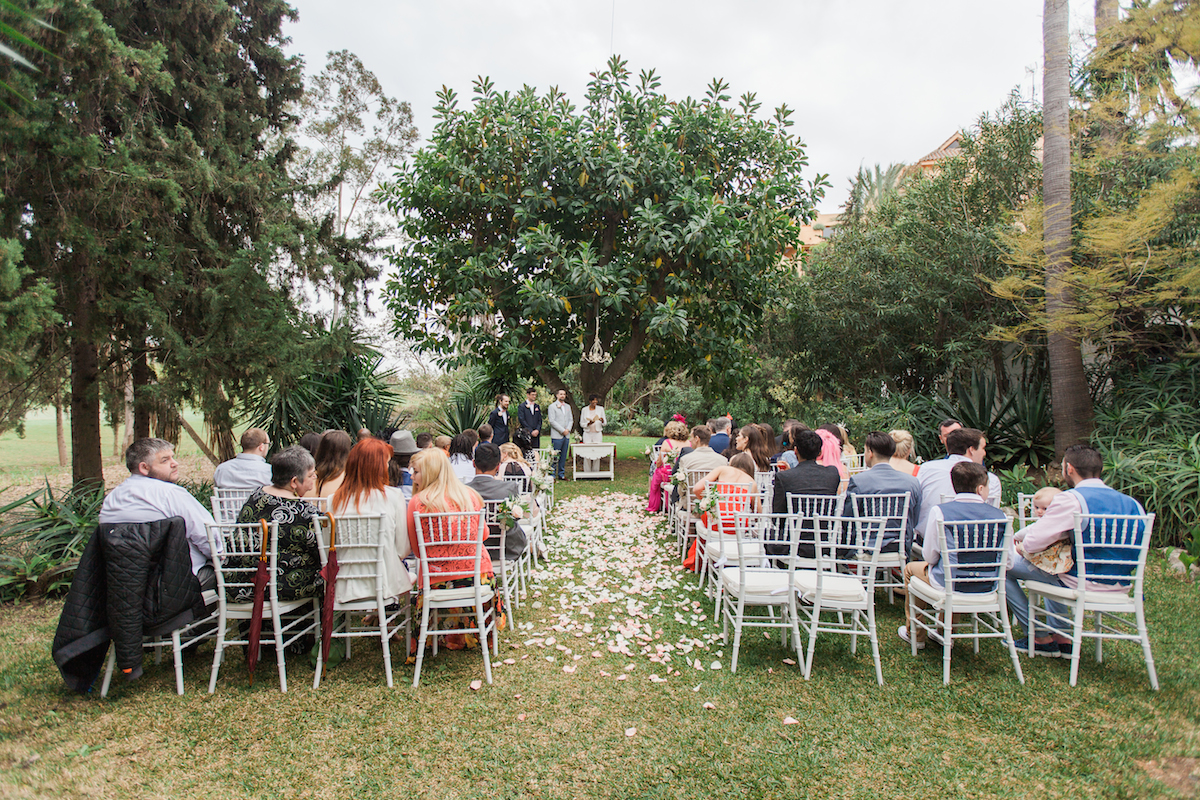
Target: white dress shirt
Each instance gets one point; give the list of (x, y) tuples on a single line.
[(934, 477), (144, 499), (243, 471)]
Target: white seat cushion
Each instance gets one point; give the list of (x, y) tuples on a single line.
[(761, 584), (726, 547), (835, 587), (963, 601), (461, 596), (1118, 598)]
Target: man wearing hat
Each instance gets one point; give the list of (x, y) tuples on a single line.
[(403, 447)]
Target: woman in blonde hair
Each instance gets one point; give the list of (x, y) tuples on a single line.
[(512, 461), (675, 435), (904, 450), (436, 489)]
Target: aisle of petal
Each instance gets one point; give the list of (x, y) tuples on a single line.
[(612, 581)]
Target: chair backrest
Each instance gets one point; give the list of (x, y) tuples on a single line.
[(1111, 549), (975, 554), (322, 503), (545, 456), (759, 530), (766, 486), (450, 545), (227, 503), (497, 531), (732, 499), (236, 549), (693, 476), (358, 542), (848, 546), (815, 505), (892, 508), (854, 462), (1024, 509), (522, 482)]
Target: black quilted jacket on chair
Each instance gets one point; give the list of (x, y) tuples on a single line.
[(134, 580)]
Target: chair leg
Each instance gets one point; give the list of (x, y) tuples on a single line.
[(387, 645), (278, 626), (1012, 645), (947, 646), (421, 644), (483, 643), (108, 670), (814, 620), (177, 652), (1099, 639), (218, 654), (1076, 640), (873, 632), (1144, 633)]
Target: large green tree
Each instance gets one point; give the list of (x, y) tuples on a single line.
[(147, 179), (655, 226)]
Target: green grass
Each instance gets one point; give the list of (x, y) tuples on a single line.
[(983, 736)]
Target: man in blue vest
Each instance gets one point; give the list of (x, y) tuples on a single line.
[(1088, 494), (970, 482)]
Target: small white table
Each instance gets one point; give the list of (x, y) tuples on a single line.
[(593, 453)]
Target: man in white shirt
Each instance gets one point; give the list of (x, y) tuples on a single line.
[(963, 444), (945, 428), (151, 493), (249, 469), (562, 419)]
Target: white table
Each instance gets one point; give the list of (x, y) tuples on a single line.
[(594, 453)]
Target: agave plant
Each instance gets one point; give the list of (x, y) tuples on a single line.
[(470, 403)]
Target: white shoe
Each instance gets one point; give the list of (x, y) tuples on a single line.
[(902, 632)]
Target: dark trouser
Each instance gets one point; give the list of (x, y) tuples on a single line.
[(561, 445)]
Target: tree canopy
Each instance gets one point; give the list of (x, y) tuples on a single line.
[(657, 225)]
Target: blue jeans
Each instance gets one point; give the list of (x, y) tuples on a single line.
[(1018, 603), (561, 446)]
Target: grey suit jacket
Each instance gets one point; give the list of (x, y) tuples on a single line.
[(490, 488), (885, 479)]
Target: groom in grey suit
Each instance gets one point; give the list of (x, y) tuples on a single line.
[(881, 478)]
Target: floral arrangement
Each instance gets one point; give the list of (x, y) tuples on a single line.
[(513, 510), (709, 501), (541, 479), (679, 481)]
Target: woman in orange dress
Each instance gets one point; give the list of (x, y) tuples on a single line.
[(436, 489)]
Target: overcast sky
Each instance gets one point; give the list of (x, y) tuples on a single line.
[(872, 81)]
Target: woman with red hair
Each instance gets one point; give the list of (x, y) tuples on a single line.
[(365, 491)]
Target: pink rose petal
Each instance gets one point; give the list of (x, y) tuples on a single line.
[(476, 686), (790, 721), (631, 732)]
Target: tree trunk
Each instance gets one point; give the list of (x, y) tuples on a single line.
[(87, 463), (167, 423), (60, 429), (129, 416), (142, 407), (1071, 402)]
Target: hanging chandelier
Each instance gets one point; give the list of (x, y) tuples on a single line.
[(596, 355)]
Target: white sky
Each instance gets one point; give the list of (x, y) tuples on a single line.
[(872, 81)]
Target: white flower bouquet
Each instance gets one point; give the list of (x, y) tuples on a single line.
[(513, 510)]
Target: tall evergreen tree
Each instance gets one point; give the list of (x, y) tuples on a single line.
[(148, 180)]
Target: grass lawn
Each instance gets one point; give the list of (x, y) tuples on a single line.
[(554, 723)]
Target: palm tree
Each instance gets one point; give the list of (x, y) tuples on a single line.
[(1070, 399), (868, 188)]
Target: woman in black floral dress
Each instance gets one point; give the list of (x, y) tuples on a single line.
[(293, 473)]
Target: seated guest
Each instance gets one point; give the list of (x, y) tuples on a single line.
[(443, 443), (753, 440), (698, 455), (248, 469), (512, 461), (331, 461), (293, 475), (963, 444), (485, 433), (365, 492), (945, 428), (1042, 499), (901, 460), (424, 440), (309, 442), (720, 438), (462, 453), (740, 495), (970, 481), (808, 476), (1082, 467), (151, 493), (831, 449), (881, 478), (436, 490), (364, 433), (675, 436), (769, 439), (739, 470), (403, 447), (491, 487)]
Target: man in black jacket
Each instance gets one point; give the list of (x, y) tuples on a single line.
[(499, 420), (529, 417)]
